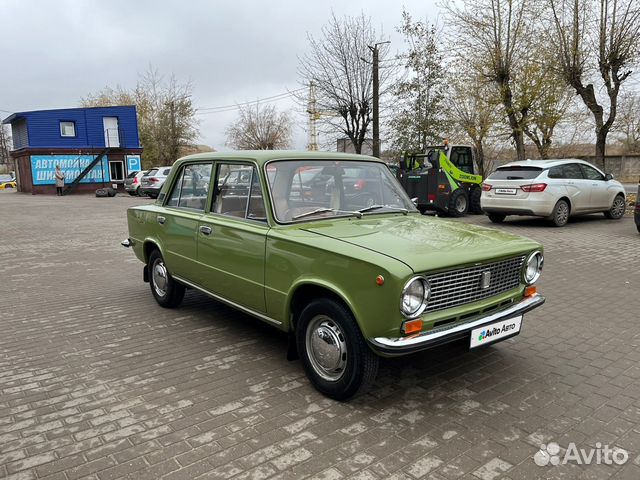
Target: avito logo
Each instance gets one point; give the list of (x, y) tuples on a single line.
[(496, 331)]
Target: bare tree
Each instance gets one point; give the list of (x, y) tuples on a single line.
[(166, 117), (5, 146), (627, 124), (336, 63), (260, 127), (474, 108), (594, 37), (493, 36), (419, 118)]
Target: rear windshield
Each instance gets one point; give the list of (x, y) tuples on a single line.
[(132, 174), (515, 173), (152, 172)]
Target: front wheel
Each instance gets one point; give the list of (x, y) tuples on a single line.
[(334, 354), (458, 203), (167, 292), (616, 212)]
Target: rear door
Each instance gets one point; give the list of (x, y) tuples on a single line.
[(232, 237), (578, 189), (184, 206)]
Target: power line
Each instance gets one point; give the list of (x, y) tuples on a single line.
[(228, 108)]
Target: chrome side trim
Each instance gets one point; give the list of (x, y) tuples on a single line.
[(242, 308), (401, 345)]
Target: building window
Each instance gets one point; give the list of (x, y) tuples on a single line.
[(68, 129)]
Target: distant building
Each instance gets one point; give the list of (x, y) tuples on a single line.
[(94, 147), (345, 145)]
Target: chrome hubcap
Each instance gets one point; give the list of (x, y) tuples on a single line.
[(563, 213), (326, 348), (461, 204), (159, 278), (617, 210)]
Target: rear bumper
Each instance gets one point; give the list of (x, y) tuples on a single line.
[(541, 207), (446, 334)]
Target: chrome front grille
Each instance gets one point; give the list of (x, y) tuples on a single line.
[(458, 287)]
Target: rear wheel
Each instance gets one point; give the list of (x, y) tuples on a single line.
[(560, 214), (458, 203), (474, 200), (497, 217), (167, 292), (616, 212), (334, 354)]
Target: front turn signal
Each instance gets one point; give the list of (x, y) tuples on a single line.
[(411, 326), (530, 291)]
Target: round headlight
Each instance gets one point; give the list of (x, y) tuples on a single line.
[(414, 297), (533, 267)]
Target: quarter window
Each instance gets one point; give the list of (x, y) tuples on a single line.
[(68, 129), (556, 172)]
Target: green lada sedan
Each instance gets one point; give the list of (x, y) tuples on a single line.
[(328, 248)]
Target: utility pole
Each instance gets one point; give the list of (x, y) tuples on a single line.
[(376, 100)]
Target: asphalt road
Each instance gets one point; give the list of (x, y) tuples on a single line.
[(98, 382)]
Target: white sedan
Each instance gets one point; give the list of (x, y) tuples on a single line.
[(556, 189)]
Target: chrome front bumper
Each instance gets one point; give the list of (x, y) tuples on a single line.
[(446, 334)]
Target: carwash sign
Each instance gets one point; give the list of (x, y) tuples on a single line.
[(43, 168)]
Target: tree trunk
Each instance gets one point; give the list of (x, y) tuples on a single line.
[(601, 142)]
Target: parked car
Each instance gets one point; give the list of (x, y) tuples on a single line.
[(152, 181), (133, 182), (347, 283), (556, 189), (7, 181), (636, 215)]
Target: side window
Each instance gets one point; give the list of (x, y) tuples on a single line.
[(591, 173), (238, 192), (191, 188), (572, 170), (556, 172)]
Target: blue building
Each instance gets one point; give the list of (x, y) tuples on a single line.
[(93, 146)]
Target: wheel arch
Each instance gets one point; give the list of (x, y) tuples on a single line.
[(304, 292)]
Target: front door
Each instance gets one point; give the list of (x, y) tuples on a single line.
[(111, 133), (232, 237)]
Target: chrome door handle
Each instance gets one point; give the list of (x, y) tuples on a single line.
[(161, 219), (205, 230)]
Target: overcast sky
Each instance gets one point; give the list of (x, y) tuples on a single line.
[(53, 53)]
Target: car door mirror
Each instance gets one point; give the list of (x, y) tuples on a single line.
[(608, 177)]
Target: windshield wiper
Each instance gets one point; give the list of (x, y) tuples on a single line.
[(377, 207), (325, 210)]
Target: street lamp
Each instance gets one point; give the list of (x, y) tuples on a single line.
[(376, 95)]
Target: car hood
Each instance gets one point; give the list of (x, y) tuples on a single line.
[(424, 243)]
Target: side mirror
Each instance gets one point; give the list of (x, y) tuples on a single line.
[(608, 177), (415, 201)]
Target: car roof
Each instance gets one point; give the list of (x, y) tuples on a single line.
[(263, 156), (545, 163)]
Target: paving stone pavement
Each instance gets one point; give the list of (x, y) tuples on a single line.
[(98, 382)]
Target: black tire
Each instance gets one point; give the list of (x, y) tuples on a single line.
[(474, 200), (140, 192), (422, 209), (133, 194), (458, 203), (345, 366), (497, 217), (618, 207), (560, 214), (170, 294)]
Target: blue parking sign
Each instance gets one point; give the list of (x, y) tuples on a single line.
[(133, 163)]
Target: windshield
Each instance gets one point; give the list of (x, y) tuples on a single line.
[(304, 190)]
